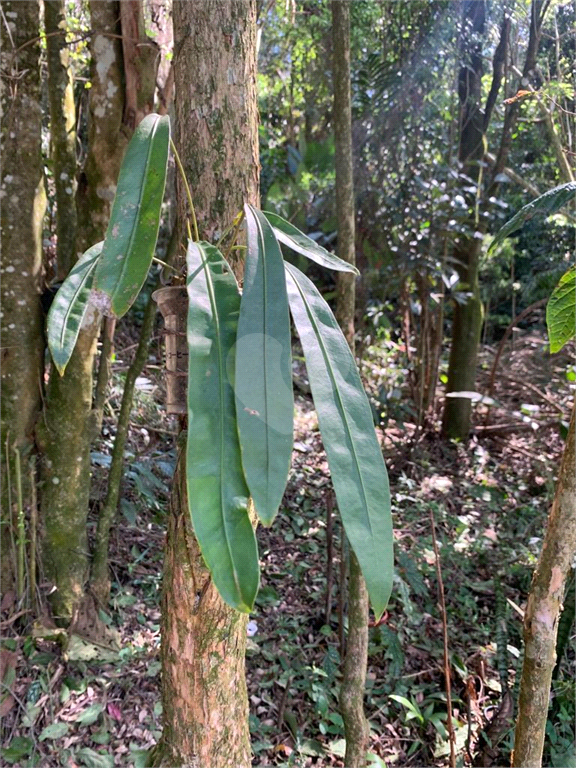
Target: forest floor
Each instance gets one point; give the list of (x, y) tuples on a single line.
[(69, 702)]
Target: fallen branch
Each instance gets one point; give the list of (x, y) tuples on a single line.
[(518, 426)]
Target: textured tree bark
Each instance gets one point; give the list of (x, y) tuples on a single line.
[(65, 430), (356, 656), (543, 611), (63, 436), (62, 134), (107, 134), (23, 206), (204, 696)]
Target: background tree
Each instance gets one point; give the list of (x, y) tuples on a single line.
[(356, 653), (65, 431)]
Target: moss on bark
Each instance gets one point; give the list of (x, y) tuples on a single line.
[(63, 435)]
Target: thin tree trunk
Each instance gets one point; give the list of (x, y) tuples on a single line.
[(65, 430), (23, 206), (543, 611), (467, 321), (62, 134), (468, 317), (99, 581), (205, 703), (356, 656)]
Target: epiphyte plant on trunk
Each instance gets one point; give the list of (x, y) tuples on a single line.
[(240, 402)]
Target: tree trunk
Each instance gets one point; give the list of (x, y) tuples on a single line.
[(542, 613), (356, 656), (62, 134), (64, 435), (204, 696), (204, 693), (65, 429), (467, 322), (107, 135), (23, 206), (141, 60)]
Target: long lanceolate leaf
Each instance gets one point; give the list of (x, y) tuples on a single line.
[(546, 204), (263, 381), (69, 307), (133, 228), (354, 456), (217, 492), (289, 235)]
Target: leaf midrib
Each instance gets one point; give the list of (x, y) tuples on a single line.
[(265, 352)]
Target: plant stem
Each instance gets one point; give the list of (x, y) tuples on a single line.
[(442, 602), (21, 528), (99, 575), (188, 193), (33, 527)]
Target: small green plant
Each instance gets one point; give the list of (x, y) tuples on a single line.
[(240, 402)]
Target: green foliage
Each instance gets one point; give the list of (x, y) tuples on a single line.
[(354, 456), (217, 492), (240, 400), (560, 311), (546, 204), (69, 307), (263, 378), (133, 228)]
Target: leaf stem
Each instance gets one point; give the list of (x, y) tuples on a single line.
[(237, 225), (188, 194), (164, 264)]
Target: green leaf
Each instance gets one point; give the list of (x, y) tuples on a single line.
[(292, 237), (546, 204), (345, 418), (54, 731), (413, 709), (90, 715), (560, 311), (217, 492), (69, 307), (133, 228), (20, 746), (263, 378), (92, 759)]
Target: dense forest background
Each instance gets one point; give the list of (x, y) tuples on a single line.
[(461, 113)]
